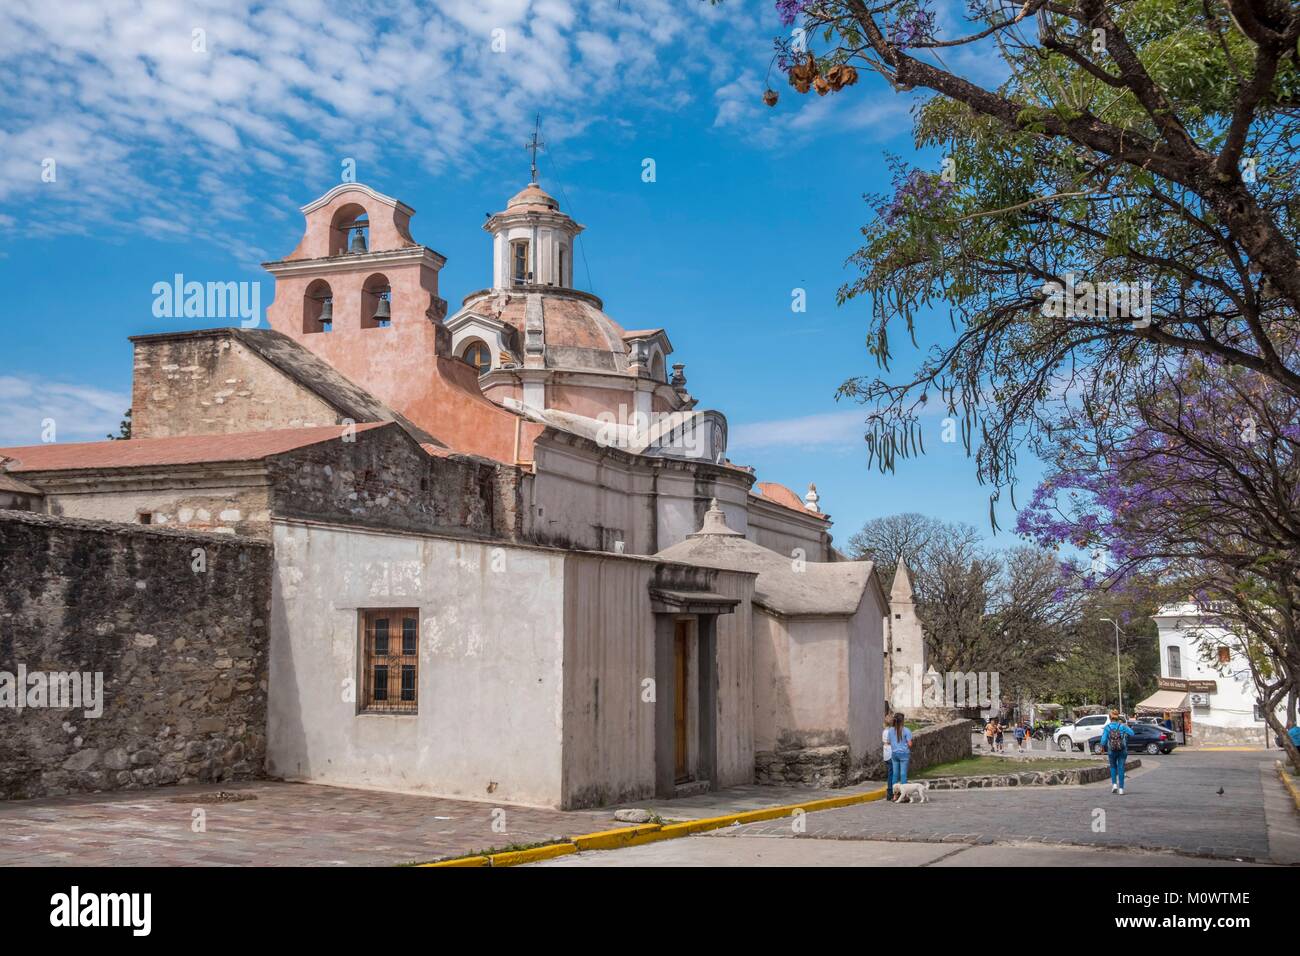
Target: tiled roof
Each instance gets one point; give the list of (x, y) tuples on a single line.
[(781, 495), (11, 484), (178, 450)]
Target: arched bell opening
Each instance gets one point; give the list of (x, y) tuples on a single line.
[(350, 231), (318, 307), (376, 303), (657, 371)]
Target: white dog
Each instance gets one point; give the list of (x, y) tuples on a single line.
[(911, 792)]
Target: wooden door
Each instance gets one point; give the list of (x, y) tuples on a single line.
[(681, 677)]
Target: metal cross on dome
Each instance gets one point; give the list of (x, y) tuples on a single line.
[(534, 145)]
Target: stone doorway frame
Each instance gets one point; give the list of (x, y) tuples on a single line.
[(702, 608)]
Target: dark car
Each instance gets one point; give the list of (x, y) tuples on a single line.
[(1146, 738)]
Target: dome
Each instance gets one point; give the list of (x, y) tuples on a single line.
[(532, 198), (577, 333)]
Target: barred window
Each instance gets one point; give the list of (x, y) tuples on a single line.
[(390, 646)]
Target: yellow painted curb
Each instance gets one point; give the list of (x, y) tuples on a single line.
[(1227, 749), (462, 861), (532, 855), (624, 836), (654, 832), (1289, 782)]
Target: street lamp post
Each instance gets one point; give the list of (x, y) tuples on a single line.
[(1119, 678)]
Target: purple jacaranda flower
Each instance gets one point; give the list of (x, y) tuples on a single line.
[(915, 192), (913, 28), (791, 10)]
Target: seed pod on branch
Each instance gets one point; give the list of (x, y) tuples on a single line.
[(841, 75)]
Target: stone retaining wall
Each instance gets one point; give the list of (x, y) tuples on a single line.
[(1034, 778), (171, 625), (805, 767), (830, 766)]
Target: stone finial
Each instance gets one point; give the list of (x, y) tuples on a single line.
[(810, 500), (679, 376), (715, 521)]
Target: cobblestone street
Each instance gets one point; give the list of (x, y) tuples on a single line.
[(1171, 803), (1171, 814), (1172, 806)]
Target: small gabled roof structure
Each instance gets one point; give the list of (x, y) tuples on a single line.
[(785, 586)]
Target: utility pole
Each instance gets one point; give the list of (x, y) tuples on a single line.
[(1119, 678)]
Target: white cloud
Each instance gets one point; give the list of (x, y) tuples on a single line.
[(79, 412), (141, 124), (809, 431), (845, 428)]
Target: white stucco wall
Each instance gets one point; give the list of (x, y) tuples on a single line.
[(820, 680), (1232, 707), (782, 530), (575, 490), (866, 677), (904, 642), (609, 742), (490, 679)]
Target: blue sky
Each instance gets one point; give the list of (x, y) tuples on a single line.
[(171, 159)]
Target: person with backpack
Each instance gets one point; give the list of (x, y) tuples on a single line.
[(1114, 740)]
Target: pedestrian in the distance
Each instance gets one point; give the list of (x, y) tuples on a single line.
[(889, 758), (1020, 736), (1001, 747), (900, 744), (1114, 740), (990, 731)]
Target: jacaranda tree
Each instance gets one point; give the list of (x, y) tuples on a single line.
[(1202, 494)]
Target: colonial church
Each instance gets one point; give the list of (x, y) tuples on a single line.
[(511, 558)]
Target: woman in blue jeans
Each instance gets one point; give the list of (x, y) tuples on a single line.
[(900, 749), (1116, 733), (888, 752)]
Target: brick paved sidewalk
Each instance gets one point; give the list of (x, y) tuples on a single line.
[(289, 824), (293, 824)]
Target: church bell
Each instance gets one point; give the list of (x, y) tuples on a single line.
[(327, 311), (358, 241), (382, 313)]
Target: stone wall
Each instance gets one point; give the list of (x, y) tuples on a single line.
[(830, 766), (174, 626), (804, 767), (931, 746), (383, 478), (1216, 735), (1031, 778), (211, 383)]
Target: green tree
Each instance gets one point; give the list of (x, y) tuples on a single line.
[(1144, 142), (123, 429)]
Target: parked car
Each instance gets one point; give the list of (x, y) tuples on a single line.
[(1146, 738), (1074, 736)]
